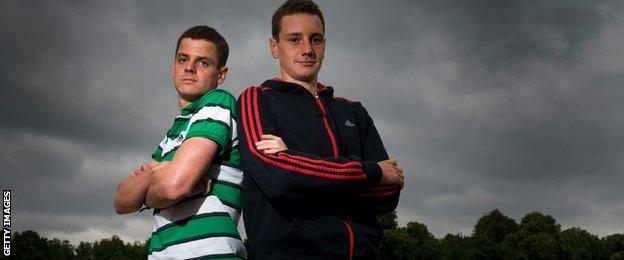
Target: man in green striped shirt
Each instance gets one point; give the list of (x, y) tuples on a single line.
[(194, 180)]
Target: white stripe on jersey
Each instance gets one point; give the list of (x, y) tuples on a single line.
[(225, 173), (202, 247), (210, 204), (213, 112)]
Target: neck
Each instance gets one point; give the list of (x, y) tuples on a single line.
[(311, 85), (182, 103)]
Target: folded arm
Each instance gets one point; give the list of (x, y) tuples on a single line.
[(292, 175), (181, 177), (131, 191)]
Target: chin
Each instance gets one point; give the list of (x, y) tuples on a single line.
[(307, 75)]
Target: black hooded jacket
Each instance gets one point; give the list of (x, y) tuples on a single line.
[(318, 199)]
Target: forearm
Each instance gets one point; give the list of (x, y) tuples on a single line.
[(178, 179), (381, 198), (161, 192), (291, 183), (131, 193)]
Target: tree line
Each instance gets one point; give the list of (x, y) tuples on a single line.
[(494, 236), (30, 245)]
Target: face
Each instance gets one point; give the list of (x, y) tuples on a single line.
[(195, 69), (300, 47)]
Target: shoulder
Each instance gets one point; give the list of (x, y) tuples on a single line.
[(344, 100), (251, 89), (254, 94), (217, 97), (355, 105), (220, 94)]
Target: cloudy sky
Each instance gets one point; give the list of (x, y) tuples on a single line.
[(486, 104)]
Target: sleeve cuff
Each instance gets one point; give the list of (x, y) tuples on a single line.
[(373, 171)]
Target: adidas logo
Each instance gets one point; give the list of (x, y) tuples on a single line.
[(349, 124)]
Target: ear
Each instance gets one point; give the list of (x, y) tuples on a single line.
[(173, 71), (222, 75), (273, 46)]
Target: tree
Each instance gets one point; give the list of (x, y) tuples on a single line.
[(491, 229), (457, 247), (411, 242), (58, 249), (428, 247), (29, 245), (615, 244), (114, 248), (536, 238), (397, 245), (137, 250), (580, 244), (84, 251), (494, 226), (388, 220)]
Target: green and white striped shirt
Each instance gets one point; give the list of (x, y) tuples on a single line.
[(203, 226)]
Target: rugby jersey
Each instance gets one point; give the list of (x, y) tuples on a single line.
[(203, 226)]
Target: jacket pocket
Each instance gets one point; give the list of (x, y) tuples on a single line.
[(324, 236), (368, 237)]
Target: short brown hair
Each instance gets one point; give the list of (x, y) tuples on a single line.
[(203, 32), (294, 7)]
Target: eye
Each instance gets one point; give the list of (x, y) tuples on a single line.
[(294, 40), (317, 40), (182, 60), (204, 63)]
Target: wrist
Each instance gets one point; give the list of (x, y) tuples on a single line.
[(373, 171)]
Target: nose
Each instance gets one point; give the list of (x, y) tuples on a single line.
[(306, 48), (189, 67)]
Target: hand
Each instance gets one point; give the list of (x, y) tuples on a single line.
[(148, 167), (271, 144), (391, 173), (203, 186)]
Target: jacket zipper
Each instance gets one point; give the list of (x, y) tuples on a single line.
[(326, 123), (335, 150), (351, 239)]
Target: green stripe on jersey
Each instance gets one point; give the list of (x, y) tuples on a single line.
[(217, 97), (228, 195), (230, 157), (196, 228), (214, 131), (201, 125), (157, 154)]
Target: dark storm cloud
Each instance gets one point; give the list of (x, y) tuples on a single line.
[(505, 34), (513, 105), (49, 66), (519, 121)]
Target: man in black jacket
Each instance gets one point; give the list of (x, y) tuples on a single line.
[(316, 171)]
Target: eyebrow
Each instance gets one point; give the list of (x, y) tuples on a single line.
[(188, 56), (299, 34)]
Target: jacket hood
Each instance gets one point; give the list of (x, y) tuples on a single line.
[(280, 85)]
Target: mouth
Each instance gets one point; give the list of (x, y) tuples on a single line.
[(187, 80), (307, 62)]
